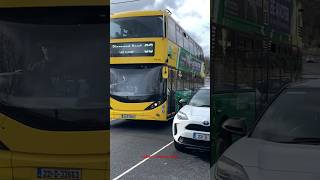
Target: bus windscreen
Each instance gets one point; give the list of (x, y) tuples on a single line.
[(137, 83), (52, 74), (136, 27)]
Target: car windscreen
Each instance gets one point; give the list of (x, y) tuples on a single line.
[(201, 98), (295, 114), (52, 67), (136, 27)]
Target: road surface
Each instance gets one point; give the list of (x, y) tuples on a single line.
[(133, 141)]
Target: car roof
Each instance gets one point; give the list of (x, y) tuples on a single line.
[(306, 84)]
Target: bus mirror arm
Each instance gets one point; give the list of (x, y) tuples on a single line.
[(165, 72)]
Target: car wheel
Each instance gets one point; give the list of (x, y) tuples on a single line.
[(179, 147)]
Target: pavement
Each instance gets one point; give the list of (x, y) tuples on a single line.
[(133, 141)]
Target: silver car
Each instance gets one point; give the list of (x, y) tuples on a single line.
[(284, 144)]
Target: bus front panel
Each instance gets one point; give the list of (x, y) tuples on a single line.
[(138, 91), (52, 93)]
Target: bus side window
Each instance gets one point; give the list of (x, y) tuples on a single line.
[(185, 81), (174, 80), (197, 50), (172, 30), (192, 82), (191, 46), (186, 43), (179, 82), (170, 80), (179, 36)]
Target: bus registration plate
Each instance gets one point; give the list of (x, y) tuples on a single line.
[(52, 173), (128, 116), (200, 136)]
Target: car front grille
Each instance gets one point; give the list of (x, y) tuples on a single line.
[(198, 127), (192, 142)]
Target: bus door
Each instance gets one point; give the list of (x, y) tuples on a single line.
[(171, 92)]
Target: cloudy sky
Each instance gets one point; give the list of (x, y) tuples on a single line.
[(192, 15)]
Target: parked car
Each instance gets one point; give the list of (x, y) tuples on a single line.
[(284, 144), (191, 125)]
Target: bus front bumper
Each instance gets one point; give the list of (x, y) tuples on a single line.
[(154, 115), (38, 167)]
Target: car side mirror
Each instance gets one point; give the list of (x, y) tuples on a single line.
[(182, 102), (235, 126)]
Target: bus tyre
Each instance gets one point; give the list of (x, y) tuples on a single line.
[(179, 147)]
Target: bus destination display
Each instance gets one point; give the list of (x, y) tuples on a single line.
[(132, 49)]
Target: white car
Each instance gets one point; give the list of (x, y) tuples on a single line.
[(284, 144), (191, 125)]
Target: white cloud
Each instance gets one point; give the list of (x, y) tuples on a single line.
[(158, 2), (192, 15)]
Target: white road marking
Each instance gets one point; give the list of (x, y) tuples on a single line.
[(144, 160)]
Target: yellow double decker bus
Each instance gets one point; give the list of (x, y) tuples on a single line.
[(153, 64), (53, 121)]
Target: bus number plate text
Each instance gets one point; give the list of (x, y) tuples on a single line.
[(51, 173), (128, 116)]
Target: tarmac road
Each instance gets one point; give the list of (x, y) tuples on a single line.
[(133, 141)]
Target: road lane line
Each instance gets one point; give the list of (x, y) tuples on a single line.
[(144, 160)]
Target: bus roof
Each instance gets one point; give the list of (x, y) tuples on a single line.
[(50, 3), (138, 13)]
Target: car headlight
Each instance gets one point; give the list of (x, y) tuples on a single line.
[(227, 169), (182, 116)]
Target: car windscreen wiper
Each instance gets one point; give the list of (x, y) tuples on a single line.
[(204, 106), (303, 140)]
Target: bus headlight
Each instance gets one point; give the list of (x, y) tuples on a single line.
[(182, 116), (154, 105), (228, 169)]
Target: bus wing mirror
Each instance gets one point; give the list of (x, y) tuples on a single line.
[(165, 72)]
